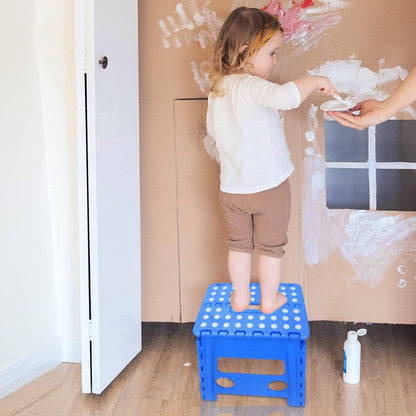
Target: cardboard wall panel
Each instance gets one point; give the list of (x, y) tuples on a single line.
[(202, 230), (183, 231), (160, 272)]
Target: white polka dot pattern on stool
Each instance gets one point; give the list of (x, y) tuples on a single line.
[(217, 316)]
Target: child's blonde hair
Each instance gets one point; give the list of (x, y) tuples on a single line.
[(243, 33)]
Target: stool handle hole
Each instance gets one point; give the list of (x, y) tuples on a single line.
[(225, 382), (277, 385)]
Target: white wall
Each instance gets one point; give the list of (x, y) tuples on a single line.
[(39, 299)]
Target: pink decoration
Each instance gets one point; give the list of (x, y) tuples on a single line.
[(295, 22)]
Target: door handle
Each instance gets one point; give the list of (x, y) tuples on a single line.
[(103, 62)]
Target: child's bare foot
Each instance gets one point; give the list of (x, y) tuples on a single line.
[(239, 303), (272, 304)]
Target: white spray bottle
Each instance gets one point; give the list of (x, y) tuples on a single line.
[(352, 357)]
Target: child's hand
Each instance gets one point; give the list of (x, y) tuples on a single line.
[(310, 83), (326, 86)]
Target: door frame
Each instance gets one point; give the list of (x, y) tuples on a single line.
[(81, 25)]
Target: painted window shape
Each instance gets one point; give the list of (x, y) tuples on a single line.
[(371, 169), (345, 145), (396, 141)]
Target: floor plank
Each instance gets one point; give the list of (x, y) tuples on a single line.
[(163, 380)]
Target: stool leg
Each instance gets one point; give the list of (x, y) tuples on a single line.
[(207, 366), (296, 364)]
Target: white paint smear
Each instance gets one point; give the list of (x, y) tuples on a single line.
[(211, 147), (315, 216), (369, 240), (328, 6), (310, 40), (213, 22), (196, 15), (349, 77), (373, 241), (201, 76), (409, 109), (402, 283), (311, 118), (176, 42), (185, 22), (310, 136), (309, 151), (402, 269), (386, 75), (172, 23), (164, 28)]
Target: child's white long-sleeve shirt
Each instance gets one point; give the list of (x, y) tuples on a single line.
[(249, 134)]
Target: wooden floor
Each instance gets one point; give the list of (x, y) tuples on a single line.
[(163, 380)]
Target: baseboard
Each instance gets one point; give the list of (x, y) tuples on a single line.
[(30, 368), (71, 350)]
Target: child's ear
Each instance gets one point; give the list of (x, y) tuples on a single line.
[(242, 49)]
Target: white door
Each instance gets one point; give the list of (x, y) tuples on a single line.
[(109, 188)]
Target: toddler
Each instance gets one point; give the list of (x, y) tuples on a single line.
[(243, 120)]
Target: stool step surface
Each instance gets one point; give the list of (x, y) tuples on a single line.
[(217, 318)]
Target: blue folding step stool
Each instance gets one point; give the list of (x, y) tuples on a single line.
[(223, 333)]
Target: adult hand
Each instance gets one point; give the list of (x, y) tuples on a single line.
[(371, 112)]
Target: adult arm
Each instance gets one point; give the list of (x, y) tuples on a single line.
[(373, 112)]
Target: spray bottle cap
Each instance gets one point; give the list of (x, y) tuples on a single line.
[(353, 335)]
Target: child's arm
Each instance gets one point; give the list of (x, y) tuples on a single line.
[(309, 83), (281, 97)]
